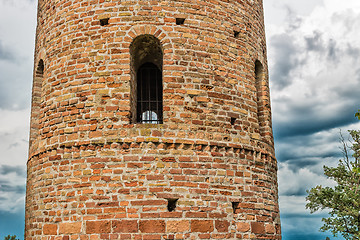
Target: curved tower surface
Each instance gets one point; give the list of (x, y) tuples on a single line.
[(151, 120)]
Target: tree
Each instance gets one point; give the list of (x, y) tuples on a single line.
[(343, 200), (8, 237)]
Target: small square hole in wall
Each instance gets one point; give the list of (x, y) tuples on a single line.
[(236, 34), (104, 21), (232, 121), (172, 204), (235, 205), (180, 21)]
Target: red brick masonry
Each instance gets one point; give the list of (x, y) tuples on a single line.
[(207, 172)]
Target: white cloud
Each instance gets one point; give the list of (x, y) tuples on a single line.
[(12, 192), (14, 134), (314, 64), (17, 34), (315, 69), (17, 28), (320, 46), (295, 182)]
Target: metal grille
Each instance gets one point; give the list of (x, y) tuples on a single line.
[(149, 94)]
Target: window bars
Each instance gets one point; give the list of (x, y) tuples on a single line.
[(149, 94)]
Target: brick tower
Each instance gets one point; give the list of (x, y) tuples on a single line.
[(151, 120)]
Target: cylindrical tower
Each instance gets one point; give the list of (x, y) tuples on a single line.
[(151, 120)]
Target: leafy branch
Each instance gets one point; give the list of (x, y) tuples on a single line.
[(343, 200)]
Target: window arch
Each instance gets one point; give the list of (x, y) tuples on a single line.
[(35, 102), (146, 96)]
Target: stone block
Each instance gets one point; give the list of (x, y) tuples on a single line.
[(177, 226), (70, 228), (202, 225), (152, 226)]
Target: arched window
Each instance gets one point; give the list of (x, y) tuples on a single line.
[(35, 102), (146, 80)]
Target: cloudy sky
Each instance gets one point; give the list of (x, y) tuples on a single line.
[(314, 63)]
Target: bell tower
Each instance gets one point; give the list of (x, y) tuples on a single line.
[(151, 120)]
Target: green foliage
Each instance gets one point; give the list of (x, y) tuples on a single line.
[(8, 237), (343, 200), (357, 114)]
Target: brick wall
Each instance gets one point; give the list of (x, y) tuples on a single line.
[(95, 174)]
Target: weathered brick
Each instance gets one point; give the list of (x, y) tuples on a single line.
[(177, 226), (152, 226), (95, 172), (125, 226), (270, 228), (257, 227), (242, 226), (50, 229), (202, 225), (222, 226), (98, 227), (70, 227)]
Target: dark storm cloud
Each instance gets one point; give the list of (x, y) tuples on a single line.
[(306, 119), (285, 51), (8, 188), (304, 154), (299, 191), (315, 82), (18, 170), (304, 216), (296, 161), (294, 54)]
